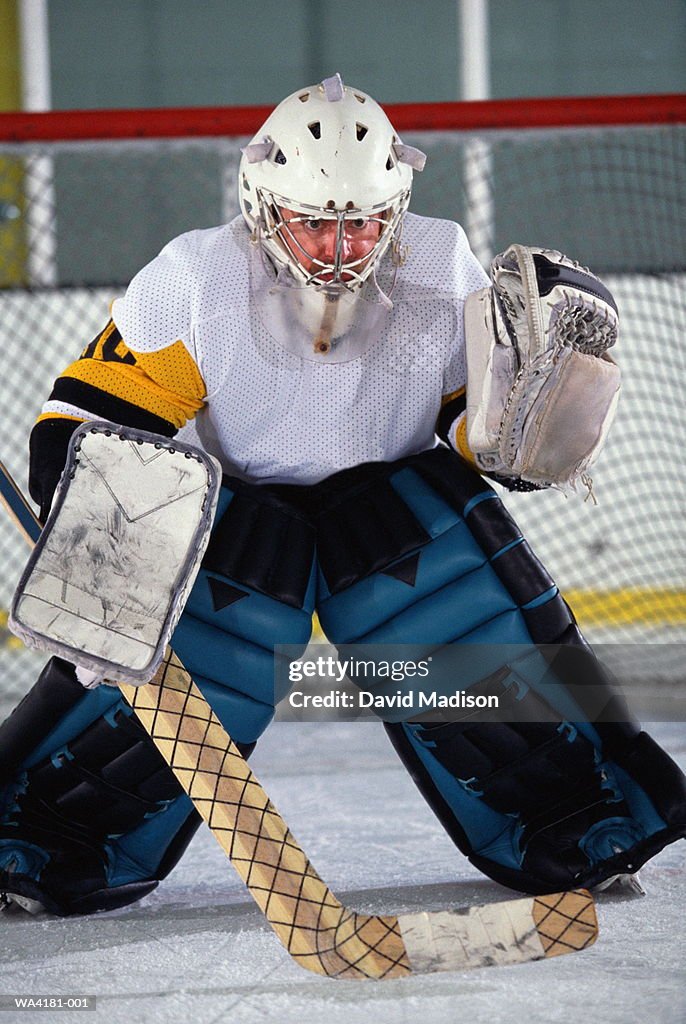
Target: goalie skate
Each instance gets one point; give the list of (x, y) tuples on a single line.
[(11, 900), (622, 885)]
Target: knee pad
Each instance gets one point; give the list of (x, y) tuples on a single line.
[(542, 806), (91, 817), (453, 565), (255, 589)]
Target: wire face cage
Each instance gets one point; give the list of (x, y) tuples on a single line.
[(86, 198)]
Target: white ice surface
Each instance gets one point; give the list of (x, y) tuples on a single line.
[(198, 949)]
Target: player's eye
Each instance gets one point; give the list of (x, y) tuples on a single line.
[(360, 222), (313, 224)]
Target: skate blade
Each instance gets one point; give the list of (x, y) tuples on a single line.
[(621, 885), (10, 900)]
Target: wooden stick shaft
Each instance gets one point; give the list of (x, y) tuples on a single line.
[(309, 920)]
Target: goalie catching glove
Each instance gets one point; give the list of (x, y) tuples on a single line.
[(541, 388)]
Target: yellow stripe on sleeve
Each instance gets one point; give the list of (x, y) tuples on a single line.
[(166, 383), (175, 370), (59, 416), (460, 441)]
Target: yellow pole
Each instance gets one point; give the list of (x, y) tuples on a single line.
[(12, 237), (10, 81)]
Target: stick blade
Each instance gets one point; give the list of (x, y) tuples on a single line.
[(566, 922), (496, 934)]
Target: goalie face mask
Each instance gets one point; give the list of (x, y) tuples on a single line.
[(326, 150), (329, 246)]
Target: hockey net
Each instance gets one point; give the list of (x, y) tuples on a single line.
[(86, 198)]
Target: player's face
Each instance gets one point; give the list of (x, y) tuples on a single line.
[(312, 240)]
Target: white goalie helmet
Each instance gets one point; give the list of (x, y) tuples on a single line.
[(329, 153), (323, 188)]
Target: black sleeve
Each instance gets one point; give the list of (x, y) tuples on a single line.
[(48, 446)]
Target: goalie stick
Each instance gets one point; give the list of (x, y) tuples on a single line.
[(317, 930)]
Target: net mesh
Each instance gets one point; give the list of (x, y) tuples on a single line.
[(78, 219)]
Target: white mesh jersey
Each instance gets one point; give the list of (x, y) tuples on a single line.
[(272, 416)]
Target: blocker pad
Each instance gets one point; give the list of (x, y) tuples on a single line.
[(107, 581)]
